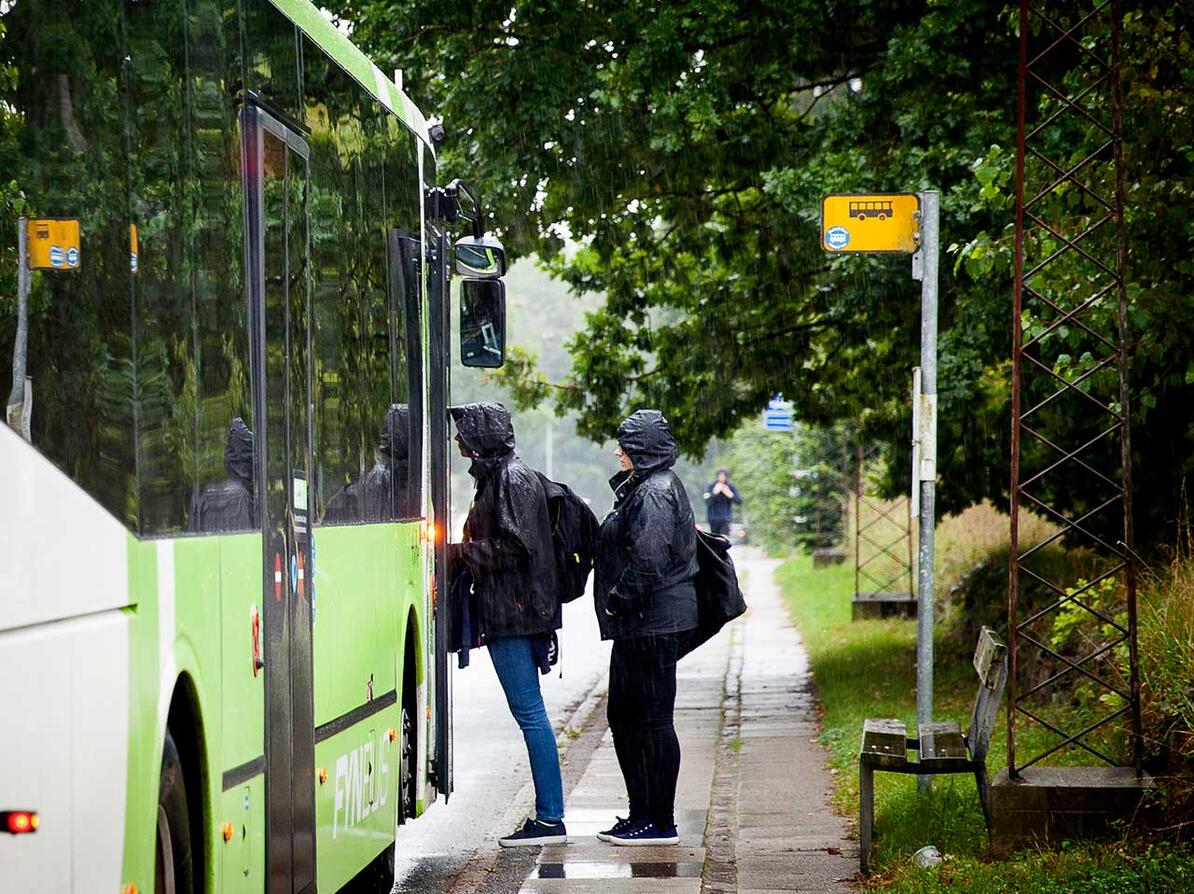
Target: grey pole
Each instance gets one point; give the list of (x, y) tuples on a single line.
[(927, 473), (16, 397)]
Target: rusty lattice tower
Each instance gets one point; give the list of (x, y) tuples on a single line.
[(1071, 439), (883, 566)]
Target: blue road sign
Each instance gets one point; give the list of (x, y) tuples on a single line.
[(778, 415), (837, 237)]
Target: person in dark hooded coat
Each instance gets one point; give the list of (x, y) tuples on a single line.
[(646, 603), (507, 549), (384, 492), (720, 497), (229, 505), (385, 489)]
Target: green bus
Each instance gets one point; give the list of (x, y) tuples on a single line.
[(224, 481)]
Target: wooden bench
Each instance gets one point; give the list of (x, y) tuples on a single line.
[(940, 747)]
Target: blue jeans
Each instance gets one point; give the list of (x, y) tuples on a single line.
[(516, 670)]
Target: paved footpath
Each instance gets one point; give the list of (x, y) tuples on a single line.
[(752, 803)]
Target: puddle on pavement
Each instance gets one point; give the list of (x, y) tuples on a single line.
[(593, 870)]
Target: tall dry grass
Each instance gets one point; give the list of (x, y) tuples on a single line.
[(974, 536), (1165, 636)]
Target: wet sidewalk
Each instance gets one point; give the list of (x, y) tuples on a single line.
[(752, 803)]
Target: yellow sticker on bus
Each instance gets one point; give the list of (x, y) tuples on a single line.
[(873, 222)]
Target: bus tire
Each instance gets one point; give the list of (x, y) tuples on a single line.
[(174, 865), (406, 765)]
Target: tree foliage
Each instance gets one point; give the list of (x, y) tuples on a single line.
[(794, 485), (686, 145)]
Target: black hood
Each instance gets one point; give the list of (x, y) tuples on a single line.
[(395, 435), (485, 428), (647, 439), (239, 452)]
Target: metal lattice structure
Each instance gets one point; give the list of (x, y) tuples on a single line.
[(1071, 439), (882, 537)]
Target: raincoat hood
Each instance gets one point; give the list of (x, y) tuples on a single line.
[(239, 452), (484, 428), (647, 439), (395, 436)]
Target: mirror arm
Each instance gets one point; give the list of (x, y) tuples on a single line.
[(458, 186)]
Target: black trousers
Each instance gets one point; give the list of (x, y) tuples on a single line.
[(641, 709), (720, 527)]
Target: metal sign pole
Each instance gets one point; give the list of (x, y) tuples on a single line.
[(924, 268), (16, 409)]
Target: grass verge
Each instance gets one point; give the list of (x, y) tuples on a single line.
[(867, 669)]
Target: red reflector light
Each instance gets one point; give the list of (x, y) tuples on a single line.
[(18, 822)]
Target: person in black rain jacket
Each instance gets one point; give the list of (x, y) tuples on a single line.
[(230, 504), (646, 603), (720, 497), (384, 492), (507, 549)]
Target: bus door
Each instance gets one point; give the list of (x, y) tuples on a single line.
[(277, 275), (439, 354)]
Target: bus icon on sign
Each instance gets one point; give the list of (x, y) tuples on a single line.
[(863, 210)]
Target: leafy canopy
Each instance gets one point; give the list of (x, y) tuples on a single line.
[(685, 147)]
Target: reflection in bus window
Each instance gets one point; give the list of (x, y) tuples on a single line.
[(230, 505), (362, 361), (66, 129), (383, 492)]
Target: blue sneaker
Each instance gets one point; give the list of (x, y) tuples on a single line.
[(535, 834), (644, 833), (622, 824)]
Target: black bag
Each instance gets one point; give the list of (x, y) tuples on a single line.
[(719, 598), (574, 536)]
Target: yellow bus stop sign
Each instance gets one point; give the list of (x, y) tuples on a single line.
[(53, 244), (875, 222)]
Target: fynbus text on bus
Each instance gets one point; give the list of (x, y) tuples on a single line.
[(222, 657)]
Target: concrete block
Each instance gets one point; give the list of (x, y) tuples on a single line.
[(1049, 804), (883, 604), (829, 555)]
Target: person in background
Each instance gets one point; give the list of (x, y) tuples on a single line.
[(507, 549), (646, 603), (720, 497)]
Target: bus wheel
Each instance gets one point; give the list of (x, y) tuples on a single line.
[(174, 868), (406, 767)]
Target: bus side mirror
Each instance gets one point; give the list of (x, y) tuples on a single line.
[(483, 323), (480, 257)]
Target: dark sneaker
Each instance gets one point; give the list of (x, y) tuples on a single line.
[(535, 833), (622, 824), (644, 833)]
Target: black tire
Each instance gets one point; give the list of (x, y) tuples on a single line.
[(174, 864), (406, 765)]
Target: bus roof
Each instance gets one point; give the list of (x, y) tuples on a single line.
[(348, 55)]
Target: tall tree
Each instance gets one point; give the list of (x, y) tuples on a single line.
[(685, 147)]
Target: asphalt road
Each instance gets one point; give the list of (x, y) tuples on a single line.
[(490, 757)]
